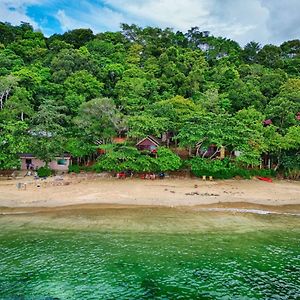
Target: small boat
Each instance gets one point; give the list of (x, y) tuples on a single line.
[(265, 179)]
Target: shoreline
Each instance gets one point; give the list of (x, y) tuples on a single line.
[(85, 191), (225, 207)]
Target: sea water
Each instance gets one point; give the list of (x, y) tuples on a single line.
[(149, 253)]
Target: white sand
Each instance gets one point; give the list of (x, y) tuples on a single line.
[(87, 189)]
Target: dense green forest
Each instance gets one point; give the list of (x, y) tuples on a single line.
[(75, 92)]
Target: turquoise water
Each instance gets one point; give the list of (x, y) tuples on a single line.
[(149, 254)]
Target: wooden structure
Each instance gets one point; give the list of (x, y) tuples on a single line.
[(149, 143)]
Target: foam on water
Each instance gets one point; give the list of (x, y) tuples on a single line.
[(251, 211)]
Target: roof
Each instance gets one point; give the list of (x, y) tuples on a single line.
[(150, 138), (119, 140), (30, 155), (26, 155), (267, 122)]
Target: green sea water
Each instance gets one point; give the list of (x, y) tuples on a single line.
[(149, 253)]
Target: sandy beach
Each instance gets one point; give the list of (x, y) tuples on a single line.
[(86, 189)]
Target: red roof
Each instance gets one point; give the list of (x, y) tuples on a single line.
[(268, 122), (151, 139)]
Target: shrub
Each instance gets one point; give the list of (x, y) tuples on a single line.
[(262, 172), (293, 174), (167, 160), (44, 172), (291, 164), (221, 169), (123, 158), (74, 169), (224, 169)]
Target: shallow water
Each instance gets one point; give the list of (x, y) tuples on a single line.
[(149, 254)]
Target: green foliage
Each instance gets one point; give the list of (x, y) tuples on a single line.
[(122, 158), (19, 104), (224, 169), (47, 140), (144, 124), (85, 84), (74, 90), (78, 168), (167, 160), (77, 37), (13, 140), (283, 112), (44, 172), (99, 118), (74, 169), (291, 165), (79, 147)]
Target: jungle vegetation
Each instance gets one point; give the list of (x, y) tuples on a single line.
[(75, 91)]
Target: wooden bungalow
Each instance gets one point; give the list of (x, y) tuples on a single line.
[(148, 143)]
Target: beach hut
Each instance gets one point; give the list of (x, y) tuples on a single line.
[(148, 143), (29, 161)]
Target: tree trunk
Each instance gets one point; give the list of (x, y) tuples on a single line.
[(1, 101), (6, 94), (198, 148), (168, 142), (218, 149)]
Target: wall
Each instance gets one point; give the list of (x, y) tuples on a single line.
[(37, 163), (55, 166), (146, 145)]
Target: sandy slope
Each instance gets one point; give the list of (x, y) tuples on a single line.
[(84, 189)]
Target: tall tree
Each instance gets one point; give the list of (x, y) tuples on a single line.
[(48, 131), (7, 83), (19, 104)]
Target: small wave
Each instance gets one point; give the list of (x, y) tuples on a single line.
[(15, 213), (251, 211)]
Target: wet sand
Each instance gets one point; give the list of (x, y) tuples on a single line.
[(85, 190)]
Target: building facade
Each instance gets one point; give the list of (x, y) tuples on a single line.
[(30, 162)]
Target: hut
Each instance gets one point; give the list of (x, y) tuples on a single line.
[(29, 161), (148, 143)]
